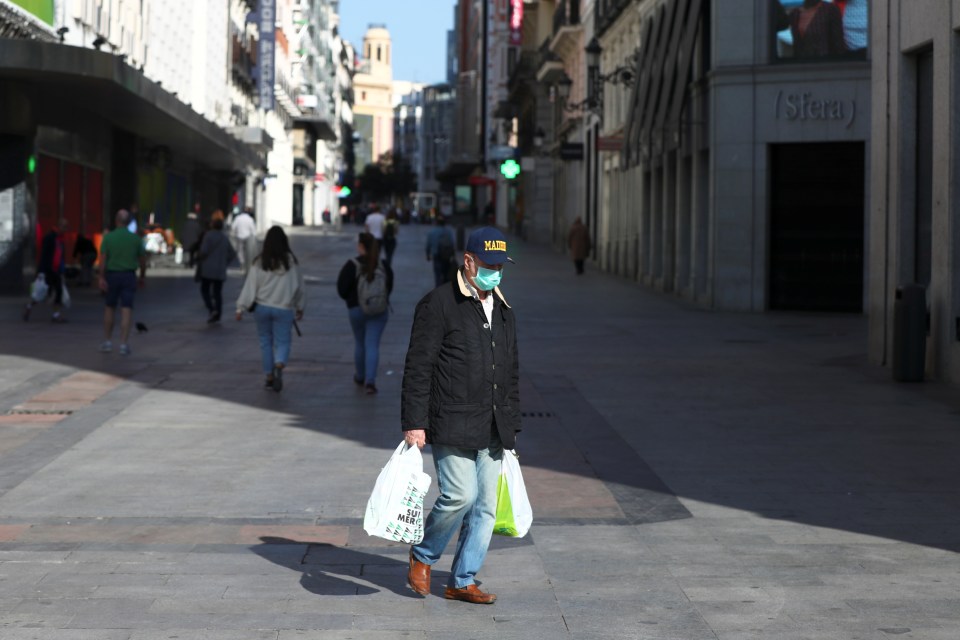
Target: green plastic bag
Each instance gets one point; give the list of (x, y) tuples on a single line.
[(514, 514)]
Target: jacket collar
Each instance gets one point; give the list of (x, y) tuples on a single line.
[(468, 290)]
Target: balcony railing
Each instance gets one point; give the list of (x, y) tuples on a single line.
[(607, 12), (567, 14)]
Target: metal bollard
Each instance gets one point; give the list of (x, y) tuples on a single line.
[(909, 333)]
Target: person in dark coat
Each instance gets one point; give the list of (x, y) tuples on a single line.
[(85, 251), (216, 253), (461, 395), (190, 236), (578, 240), (52, 264)]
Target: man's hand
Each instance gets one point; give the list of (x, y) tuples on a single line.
[(415, 437), (103, 284), (298, 315), (239, 316)]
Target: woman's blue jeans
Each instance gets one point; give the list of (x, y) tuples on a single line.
[(467, 480), (274, 326), (366, 337)]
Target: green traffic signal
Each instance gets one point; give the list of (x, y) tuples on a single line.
[(510, 169), (32, 164), (345, 191)]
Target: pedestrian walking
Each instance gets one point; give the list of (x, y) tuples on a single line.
[(440, 250), (578, 241), (274, 292), (244, 231), (216, 253), (374, 222), (461, 395), (365, 283), (190, 235), (86, 252), (53, 266), (121, 254), (391, 229)]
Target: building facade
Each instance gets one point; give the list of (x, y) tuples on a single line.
[(913, 235), (170, 104), (724, 161), (407, 127), (436, 133)]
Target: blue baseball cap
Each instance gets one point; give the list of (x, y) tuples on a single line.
[(489, 244)]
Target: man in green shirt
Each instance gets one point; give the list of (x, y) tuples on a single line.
[(121, 253)]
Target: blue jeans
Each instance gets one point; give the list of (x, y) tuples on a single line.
[(366, 348), (467, 480), (273, 327)]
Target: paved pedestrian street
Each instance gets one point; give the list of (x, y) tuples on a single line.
[(694, 475)]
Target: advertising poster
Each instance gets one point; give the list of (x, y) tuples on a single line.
[(43, 9), (820, 29)]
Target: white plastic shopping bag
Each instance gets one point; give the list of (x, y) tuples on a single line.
[(39, 288), (395, 508), (65, 296), (514, 514)]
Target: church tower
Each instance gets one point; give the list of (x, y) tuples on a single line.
[(373, 97)]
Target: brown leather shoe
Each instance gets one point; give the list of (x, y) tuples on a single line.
[(470, 593), (418, 576)]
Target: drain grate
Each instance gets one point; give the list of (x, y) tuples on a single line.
[(40, 412), (536, 414)]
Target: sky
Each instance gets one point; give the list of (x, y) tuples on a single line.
[(418, 31)]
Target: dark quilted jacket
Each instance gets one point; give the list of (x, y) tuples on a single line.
[(462, 375)]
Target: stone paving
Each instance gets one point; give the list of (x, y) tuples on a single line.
[(694, 475)]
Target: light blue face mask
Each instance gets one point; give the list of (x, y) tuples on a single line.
[(487, 279)]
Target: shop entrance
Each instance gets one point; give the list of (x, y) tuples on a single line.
[(817, 227)]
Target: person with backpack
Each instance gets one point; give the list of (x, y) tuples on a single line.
[(365, 283), (440, 249), (275, 294)]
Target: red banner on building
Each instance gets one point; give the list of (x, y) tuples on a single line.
[(516, 22)]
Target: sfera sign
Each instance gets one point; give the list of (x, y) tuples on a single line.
[(805, 106)]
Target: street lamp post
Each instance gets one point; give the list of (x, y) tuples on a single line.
[(594, 82)]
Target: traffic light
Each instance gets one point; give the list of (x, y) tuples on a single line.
[(510, 169)]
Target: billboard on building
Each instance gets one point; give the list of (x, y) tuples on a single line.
[(266, 53), (43, 9), (820, 29)]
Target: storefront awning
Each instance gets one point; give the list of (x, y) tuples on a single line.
[(64, 81)]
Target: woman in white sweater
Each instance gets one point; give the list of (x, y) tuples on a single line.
[(275, 294)]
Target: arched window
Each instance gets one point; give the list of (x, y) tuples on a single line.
[(378, 53)]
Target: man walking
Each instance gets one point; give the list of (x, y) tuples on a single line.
[(244, 230), (461, 395), (190, 235), (121, 253), (373, 223), (440, 250)]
